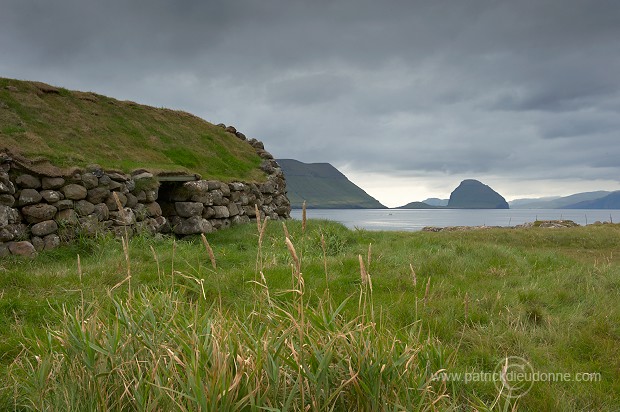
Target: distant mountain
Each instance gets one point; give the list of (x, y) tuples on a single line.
[(419, 205), (557, 202), (433, 201), (611, 201), (531, 202), (323, 186), (472, 194)]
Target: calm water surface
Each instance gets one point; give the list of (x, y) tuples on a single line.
[(412, 220)]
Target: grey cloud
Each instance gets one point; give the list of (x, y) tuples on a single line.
[(308, 89), (521, 89)]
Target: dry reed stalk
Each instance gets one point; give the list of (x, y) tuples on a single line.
[(79, 267), (414, 278), (426, 292), (125, 238), (262, 230), (369, 255), (209, 250), (257, 212), (300, 326), (200, 282), (121, 209), (293, 253), (156, 261), (174, 248), (266, 287), (466, 304), (286, 235), (125, 242), (324, 247), (303, 217), (366, 281), (118, 203), (261, 234)]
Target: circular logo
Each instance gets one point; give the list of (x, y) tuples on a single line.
[(513, 377)]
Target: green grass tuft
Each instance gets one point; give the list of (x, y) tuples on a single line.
[(258, 333)]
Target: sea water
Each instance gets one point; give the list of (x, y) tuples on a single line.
[(416, 219)]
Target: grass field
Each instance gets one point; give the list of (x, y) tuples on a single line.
[(335, 320), (73, 128)]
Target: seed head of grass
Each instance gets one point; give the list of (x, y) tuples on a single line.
[(303, 217), (209, 250)]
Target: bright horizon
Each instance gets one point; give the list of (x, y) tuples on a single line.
[(398, 191)]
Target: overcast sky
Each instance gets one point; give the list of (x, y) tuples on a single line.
[(407, 98)]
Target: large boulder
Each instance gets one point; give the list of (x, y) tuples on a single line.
[(221, 212), (101, 211), (67, 217), (111, 201), (239, 220), (8, 216), (51, 196), (52, 182), (23, 248), (188, 209), (132, 200), (217, 197), (12, 232), (268, 187), (63, 204), (29, 197), (74, 192), (151, 195), (38, 213), (89, 225), (44, 228), (84, 207), (28, 181), (90, 181), (208, 212), (225, 189), (236, 186), (126, 217), (98, 195), (7, 187), (152, 225), (233, 209), (51, 242), (7, 200), (153, 209), (191, 226)]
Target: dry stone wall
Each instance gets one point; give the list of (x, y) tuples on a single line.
[(39, 212)]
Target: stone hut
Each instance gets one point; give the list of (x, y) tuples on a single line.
[(42, 206)]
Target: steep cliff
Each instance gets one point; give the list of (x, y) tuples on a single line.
[(323, 186), (472, 194)]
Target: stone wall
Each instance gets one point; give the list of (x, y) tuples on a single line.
[(39, 211)]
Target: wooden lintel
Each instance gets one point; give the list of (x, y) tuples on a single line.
[(177, 178)]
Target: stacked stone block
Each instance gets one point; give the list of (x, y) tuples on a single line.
[(38, 212), (206, 205)]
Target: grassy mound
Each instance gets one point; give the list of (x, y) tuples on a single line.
[(71, 128)]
